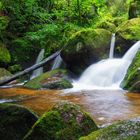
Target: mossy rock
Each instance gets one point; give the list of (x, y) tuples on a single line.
[(4, 54), (15, 121), (134, 9), (131, 81), (86, 47), (127, 34), (55, 79), (124, 130), (65, 121), (14, 68), (108, 26), (4, 74)]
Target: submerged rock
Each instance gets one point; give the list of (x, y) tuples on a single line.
[(15, 121), (131, 81), (124, 130), (65, 121), (55, 79), (86, 47), (127, 34)]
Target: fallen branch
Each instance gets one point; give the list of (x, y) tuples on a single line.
[(36, 66)]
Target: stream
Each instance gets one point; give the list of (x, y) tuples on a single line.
[(105, 106)]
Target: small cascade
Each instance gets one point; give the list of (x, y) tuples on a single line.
[(112, 46), (107, 73), (38, 71), (57, 62)]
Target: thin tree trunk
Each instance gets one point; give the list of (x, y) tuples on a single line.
[(14, 77)]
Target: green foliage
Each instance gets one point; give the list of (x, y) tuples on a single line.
[(4, 54)]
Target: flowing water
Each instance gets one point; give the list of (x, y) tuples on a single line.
[(38, 71), (112, 47), (57, 62), (107, 74)]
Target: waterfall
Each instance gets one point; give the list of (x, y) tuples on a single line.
[(112, 46), (38, 71), (57, 62), (107, 73)]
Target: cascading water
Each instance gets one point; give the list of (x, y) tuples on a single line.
[(107, 73), (57, 62), (38, 71), (112, 46)]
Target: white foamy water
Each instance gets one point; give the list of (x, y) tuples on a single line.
[(112, 47), (108, 73), (38, 71), (57, 62)]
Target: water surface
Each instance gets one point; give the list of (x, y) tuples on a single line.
[(105, 106)]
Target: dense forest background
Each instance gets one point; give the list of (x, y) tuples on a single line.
[(26, 26)]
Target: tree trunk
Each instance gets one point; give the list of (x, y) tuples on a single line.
[(14, 77)]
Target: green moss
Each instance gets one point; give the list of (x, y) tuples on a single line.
[(85, 47), (4, 73), (132, 78), (3, 23), (65, 121), (15, 68), (130, 30), (124, 130), (15, 121), (108, 26), (4, 54), (58, 84), (52, 79)]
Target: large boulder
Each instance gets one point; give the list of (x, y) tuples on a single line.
[(55, 79), (15, 121), (124, 130), (127, 34), (134, 9), (131, 81), (65, 121), (86, 47)]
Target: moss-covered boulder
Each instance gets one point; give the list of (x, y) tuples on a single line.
[(55, 79), (65, 121), (132, 79), (15, 121), (4, 74), (134, 9), (86, 47), (124, 130), (127, 34), (4, 54), (108, 26)]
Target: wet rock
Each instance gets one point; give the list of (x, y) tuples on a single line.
[(127, 34), (55, 79), (15, 121), (124, 130), (86, 47), (65, 121), (131, 81)]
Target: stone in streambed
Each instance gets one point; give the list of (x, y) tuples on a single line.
[(131, 81), (86, 47), (65, 121), (55, 79), (15, 121), (123, 130)]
